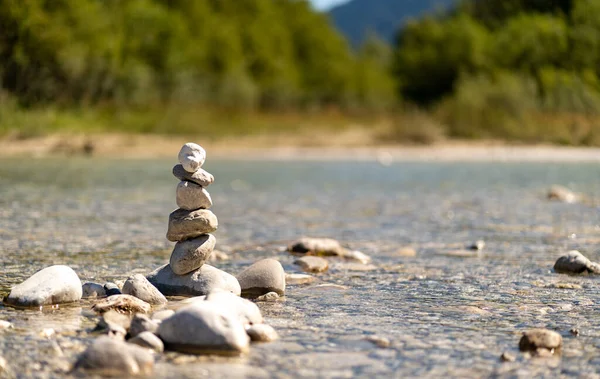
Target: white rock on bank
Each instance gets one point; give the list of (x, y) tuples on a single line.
[(51, 285)]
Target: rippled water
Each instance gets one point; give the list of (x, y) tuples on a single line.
[(444, 314)]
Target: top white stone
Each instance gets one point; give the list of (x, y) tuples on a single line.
[(192, 157)]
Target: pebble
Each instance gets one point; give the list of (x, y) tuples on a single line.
[(507, 357), (312, 264), (299, 279), (262, 277), (191, 254), (137, 285), (197, 283), (316, 246), (184, 224), (3, 366), (537, 340), (112, 289), (90, 289), (378, 341), (246, 311), (123, 304), (477, 245), (262, 333), (141, 323), (574, 331), (190, 196), (51, 285), (148, 340), (406, 252), (114, 324), (562, 194), (575, 263), (5, 325), (110, 357), (268, 297), (356, 256), (163, 314), (200, 177), (203, 328), (191, 156)]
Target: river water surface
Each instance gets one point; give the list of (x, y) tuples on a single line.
[(444, 312)]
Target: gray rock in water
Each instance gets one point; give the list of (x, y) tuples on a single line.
[(191, 196), (125, 304), (540, 339), (91, 289), (312, 264), (262, 277), (575, 263), (138, 286), (262, 333), (191, 156), (246, 311), (185, 224), (196, 283), (142, 323), (112, 289), (52, 285), (203, 328), (148, 340), (190, 255), (200, 177), (563, 194), (110, 357), (113, 324), (316, 246)]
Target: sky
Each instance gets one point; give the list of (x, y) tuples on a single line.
[(326, 4)]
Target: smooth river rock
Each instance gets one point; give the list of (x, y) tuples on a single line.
[(203, 328), (110, 357), (113, 324), (148, 340), (540, 339), (191, 254), (246, 311), (563, 194), (191, 156), (137, 285), (312, 264), (90, 290), (52, 285), (190, 196), (112, 289), (184, 224), (125, 304), (200, 177), (262, 333), (575, 263), (262, 277), (141, 323), (316, 246), (197, 283)]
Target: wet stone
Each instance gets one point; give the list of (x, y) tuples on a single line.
[(114, 324), (5, 325), (137, 285), (246, 311), (262, 333), (52, 285), (262, 277), (190, 196), (536, 340), (141, 323), (197, 283), (316, 246), (191, 254), (406, 252), (162, 314), (92, 290), (575, 263), (299, 279), (477, 245), (507, 357), (312, 264), (562, 194), (200, 177), (126, 304), (185, 224), (191, 156), (268, 297), (112, 289), (148, 340), (110, 357), (378, 341)]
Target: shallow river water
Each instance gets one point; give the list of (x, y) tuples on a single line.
[(445, 313)]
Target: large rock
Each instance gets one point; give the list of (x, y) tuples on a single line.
[(138, 286), (52, 285), (575, 263), (191, 196), (196, 283), (185, 224), (316, 246), (191, 254), (540, 339), (246, 311), (312, 264), (191, 156), (262, 277), (203, 328), (110, 357), (125, 304), (200, 177)]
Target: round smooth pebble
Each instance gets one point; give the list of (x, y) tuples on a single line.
[(141, 323), (190, 196), (200, 177), (246, 311), (126, 304), (316, 246), (299, 279), (262, 333), (91, 290), (112, 289), (574, 263), (312, 264), (203, 328), (110, 357), (540, 339), (191, 156), (184, 224), (52, 285), (203, 281), (190, 255), (262, 277), (148, 340), (137, 285)]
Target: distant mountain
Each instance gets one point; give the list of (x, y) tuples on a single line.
[(383, 17)]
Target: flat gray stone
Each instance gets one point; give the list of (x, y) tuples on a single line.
[(191, 156), (312, 264), (575, 263), (148, 340), (191, 196), (91, 290), (262, 333), (196, 283), (536, 339), (262, 277), (125, 304), (190, 255), (141, 323), (52, 285), (110, 357), (204, 328), (246, 311), (184, 224), (200, 177), (137, 285)]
